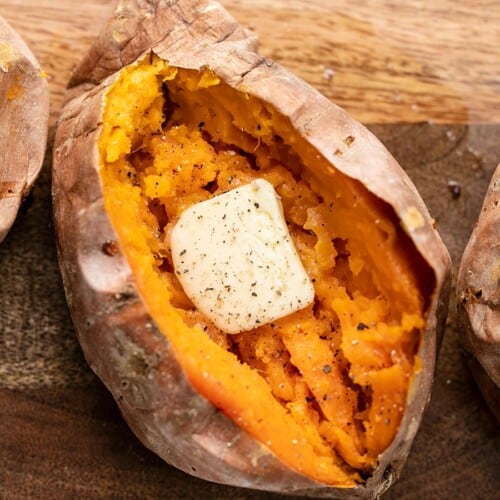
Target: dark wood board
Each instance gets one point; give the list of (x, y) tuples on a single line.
[(61, 435)]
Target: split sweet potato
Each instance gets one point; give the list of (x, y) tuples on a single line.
[(24, 114), (171, 106)]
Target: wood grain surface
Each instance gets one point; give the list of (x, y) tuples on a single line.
[(425, 75), (384, 61)]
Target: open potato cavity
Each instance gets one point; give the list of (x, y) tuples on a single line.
[(324, 388)]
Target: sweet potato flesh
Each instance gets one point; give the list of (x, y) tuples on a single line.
[(324, 388)]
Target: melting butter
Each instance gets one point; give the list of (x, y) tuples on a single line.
[(236, 261)]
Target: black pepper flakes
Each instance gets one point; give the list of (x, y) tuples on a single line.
[(110, 248), (327, 369), (349, 140), (362, 326)]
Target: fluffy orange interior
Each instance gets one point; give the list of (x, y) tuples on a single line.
[(325, 388)]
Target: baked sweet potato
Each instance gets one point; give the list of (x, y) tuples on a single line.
[(478, 295), (24, 114), (172, 106)]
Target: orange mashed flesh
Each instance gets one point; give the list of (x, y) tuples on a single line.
[(324, 388)]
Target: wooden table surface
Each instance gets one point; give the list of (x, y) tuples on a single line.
[(425, 77)]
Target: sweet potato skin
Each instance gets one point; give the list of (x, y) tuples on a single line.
[(24, 114), (478, 295), (119, 339)]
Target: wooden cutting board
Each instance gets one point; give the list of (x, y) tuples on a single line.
[(425, 76)]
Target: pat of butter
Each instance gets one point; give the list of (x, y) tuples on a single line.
[(236, 261)]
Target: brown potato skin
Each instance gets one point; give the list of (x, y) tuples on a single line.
[(24, 115), (119, 339), (478, 296)]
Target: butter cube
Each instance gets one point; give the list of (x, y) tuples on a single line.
[(236, 261)]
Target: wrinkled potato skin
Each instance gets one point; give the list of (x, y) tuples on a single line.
[(119, 339), (24, 114), (478, 294)]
